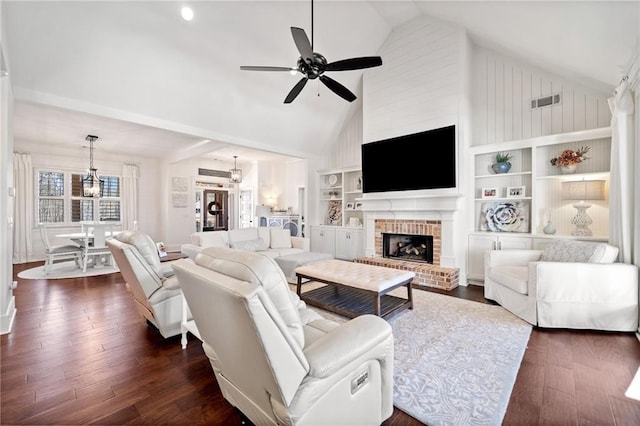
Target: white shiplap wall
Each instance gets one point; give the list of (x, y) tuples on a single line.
[(417, 87), (346, 151), (501, 92)]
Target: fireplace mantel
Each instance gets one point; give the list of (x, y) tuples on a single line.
[(443, 207), (440, 203)]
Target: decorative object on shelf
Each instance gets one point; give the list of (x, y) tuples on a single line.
[(502, 164), (549, 229), (333, 195), (350, 206), (359, 184), (489, 192), (504, 217), (516, 191), (569, 159), (92, 184), (334, 213), (354, 222), (333, 179), (235, 174), (582, 190)]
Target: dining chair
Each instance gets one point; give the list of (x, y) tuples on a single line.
[(58, 252), (94, 249)]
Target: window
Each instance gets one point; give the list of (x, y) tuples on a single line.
[(60, 199)]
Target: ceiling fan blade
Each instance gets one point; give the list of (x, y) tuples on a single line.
[(260, 68), (338, 88), (354, 63), (296, 90), (302, 43)]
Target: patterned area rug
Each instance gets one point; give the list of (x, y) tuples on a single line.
[(455, 360), (65, 270)]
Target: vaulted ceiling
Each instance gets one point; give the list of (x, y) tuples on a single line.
[(84, 67)]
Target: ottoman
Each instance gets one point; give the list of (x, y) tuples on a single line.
[(290, 262)]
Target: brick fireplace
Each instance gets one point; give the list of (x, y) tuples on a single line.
[(432, 215)]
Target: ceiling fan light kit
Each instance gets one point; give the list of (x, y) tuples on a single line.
[(313, 65)]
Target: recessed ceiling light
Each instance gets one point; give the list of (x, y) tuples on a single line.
[(187, 13)]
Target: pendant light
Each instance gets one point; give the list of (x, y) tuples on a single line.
[(235, 174), (92, 184)]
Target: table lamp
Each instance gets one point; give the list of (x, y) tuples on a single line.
[(582, 190)]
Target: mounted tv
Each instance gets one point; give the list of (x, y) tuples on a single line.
[(425, 160)]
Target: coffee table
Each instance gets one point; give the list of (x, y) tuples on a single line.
[(355, 289)]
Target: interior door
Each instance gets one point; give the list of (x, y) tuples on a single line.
[(215, 210), (246, 208)]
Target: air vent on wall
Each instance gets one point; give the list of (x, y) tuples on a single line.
[(215, 173), (545, 101)]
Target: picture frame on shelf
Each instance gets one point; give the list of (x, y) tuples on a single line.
[(506, 216), (358, 206), (516, 191), (350, 206), (489, 192)]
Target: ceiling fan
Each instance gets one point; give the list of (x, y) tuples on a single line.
[(313, 65)]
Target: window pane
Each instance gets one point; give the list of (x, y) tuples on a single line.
[(110, 186), (81, 210), (50, 211), (109, 211), (51, 184)]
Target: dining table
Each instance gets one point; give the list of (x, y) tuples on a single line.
[(97, 233)]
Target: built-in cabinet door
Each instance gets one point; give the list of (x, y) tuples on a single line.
[(349, 244), (478, 244), (323, 240)]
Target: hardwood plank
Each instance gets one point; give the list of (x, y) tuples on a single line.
[(79, 353)]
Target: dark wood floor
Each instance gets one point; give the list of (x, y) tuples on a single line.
[(80, 354)]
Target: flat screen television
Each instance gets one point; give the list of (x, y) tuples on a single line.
[(425, 160)]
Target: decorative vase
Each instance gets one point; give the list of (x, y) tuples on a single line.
[(501, 167), (567, 170), (549, 228)]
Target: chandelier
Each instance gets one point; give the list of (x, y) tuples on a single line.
[(92, 184), (235, 174)]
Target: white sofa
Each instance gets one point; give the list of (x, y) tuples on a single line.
[(569, 284), (272, 241), (274, 359)]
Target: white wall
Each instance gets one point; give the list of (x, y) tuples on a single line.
[(502, 90), (7, 300)]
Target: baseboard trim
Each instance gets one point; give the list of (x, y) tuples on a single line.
[(6, 321)]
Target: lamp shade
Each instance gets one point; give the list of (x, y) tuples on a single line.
[(263, 211), (583, 190)]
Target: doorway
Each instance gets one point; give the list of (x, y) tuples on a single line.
[(215, 210)]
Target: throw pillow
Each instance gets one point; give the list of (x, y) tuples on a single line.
[(250, 245), (573, 251), (280, 238)]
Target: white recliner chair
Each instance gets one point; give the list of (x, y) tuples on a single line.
[(277, 361), (569, 284), (154, 287)]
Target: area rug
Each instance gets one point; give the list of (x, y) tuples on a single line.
[(455, 360), (65, 270)]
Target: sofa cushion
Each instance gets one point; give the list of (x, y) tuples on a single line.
[(579, 251), (513, 277), (280, 238), (210, 239), (257, 268), (244, 234), (250, 245)]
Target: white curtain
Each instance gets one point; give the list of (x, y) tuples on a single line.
[(130, 176), (621, 190), (23, 208)]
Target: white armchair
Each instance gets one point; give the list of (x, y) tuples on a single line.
[(570, 284), (155, 289), (275, 360)]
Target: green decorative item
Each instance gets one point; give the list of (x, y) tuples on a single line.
[(502, 164)]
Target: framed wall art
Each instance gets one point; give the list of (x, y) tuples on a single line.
[(504, 216)]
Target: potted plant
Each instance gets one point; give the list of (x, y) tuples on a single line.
[(569, 159), (502, 164)]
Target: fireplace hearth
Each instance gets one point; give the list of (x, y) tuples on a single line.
[(410, 247)]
